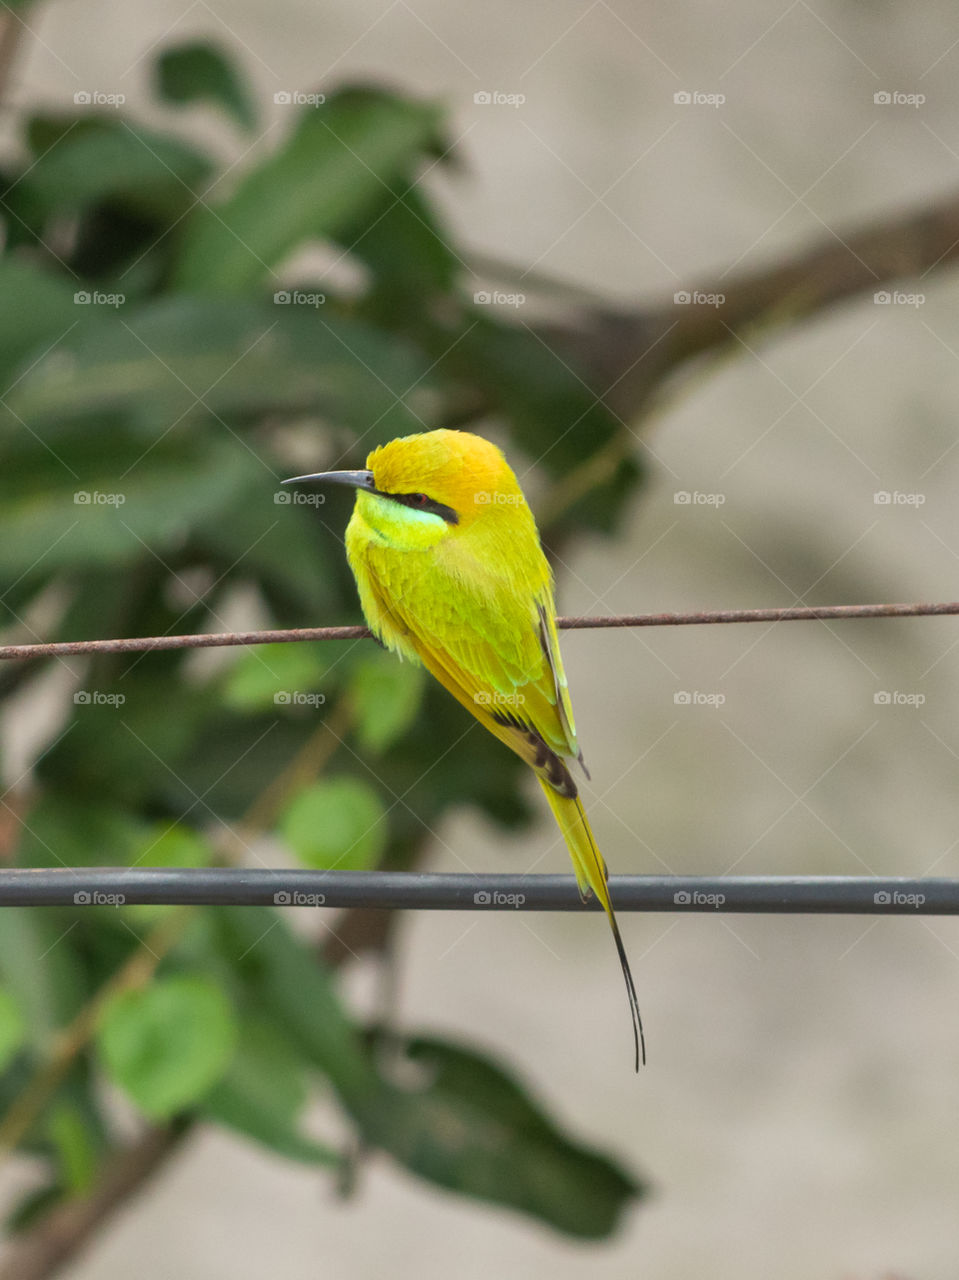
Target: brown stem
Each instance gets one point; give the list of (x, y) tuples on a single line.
[(41, 1251), (627, 354)]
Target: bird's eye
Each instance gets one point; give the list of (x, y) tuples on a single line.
[(420, 499)]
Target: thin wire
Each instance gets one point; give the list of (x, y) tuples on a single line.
[(223, 639), (424, 891)]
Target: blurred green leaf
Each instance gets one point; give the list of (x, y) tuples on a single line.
[(200, 72), (386, 697), (263, 1095), (13, 1031), (173, 362), (473, 1128), (77, 1151), (167, 1043), (254, 683), (36, 311), (173, 845), (47, 982), (335, 166), (290, 986), (102, 518), (99, 158), (64, 831), (339, 822)]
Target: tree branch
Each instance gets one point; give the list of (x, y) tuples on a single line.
[(42, 1250), (631, 352)]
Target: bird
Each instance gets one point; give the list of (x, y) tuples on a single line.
[(451, 575)]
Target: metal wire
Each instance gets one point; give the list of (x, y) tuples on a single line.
[(398, 890), (221, 639)]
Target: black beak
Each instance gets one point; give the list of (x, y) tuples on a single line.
[(355, 479)]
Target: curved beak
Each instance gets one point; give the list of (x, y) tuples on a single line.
[(355, 479)]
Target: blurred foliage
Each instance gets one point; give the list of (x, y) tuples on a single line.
[(163, 369)]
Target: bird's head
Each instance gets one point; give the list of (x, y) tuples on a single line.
[(420, 489)]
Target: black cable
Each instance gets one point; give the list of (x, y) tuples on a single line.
[(398, 890)]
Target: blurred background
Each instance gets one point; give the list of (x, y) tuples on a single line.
[(303, 231)]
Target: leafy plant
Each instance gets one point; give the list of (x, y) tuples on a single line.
[(163, 369)]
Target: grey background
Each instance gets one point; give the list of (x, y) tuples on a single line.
[(799, 1113)]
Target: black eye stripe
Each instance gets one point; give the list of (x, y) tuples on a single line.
[(422, 502)]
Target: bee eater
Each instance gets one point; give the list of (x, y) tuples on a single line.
[(451, 574)]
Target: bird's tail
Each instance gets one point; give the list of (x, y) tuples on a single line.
[(591, 877)]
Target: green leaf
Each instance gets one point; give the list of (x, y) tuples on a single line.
[(274, 675), (36, 309), (168, 1043), (339, 822), (77, 1151), (386, 697), (101, 158), (65, 831), (198, 72), (292, 987), (64, 520), (264, 1092), (173, 845), (170, 363), (474, 1130), (335, 166), (13, 1031), (46, 981)]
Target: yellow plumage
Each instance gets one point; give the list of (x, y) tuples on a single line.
[(451, 573)]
